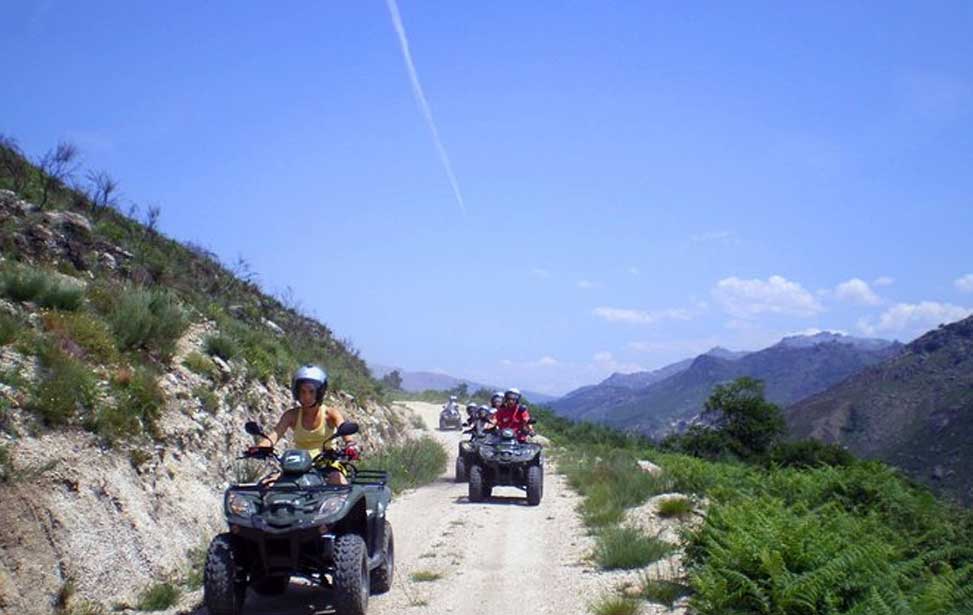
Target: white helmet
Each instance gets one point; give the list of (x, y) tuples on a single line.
[(312, 374), (452, 398), (512, 393), (497, 396)]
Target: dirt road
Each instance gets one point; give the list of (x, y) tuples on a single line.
[(498, 556)]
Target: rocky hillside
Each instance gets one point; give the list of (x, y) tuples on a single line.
[(128, 365), (914, 411), (791, 369)]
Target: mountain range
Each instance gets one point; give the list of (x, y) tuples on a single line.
[(914, 410), (419, 381), (664, 400)]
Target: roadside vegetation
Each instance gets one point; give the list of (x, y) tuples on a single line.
[(791, 528), (413, 463), (115, 296)]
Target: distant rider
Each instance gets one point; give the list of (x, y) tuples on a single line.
[(313, 425), (496, 400)]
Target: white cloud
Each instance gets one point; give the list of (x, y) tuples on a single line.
[(546, 361), (602, 356), (634, 270), (965, 283), (586, 284), (913, 317), (689, 347), (777, 295), (814, 331), (725, 237), (540, 273), (858, 291), (640, 317), (883, 281)]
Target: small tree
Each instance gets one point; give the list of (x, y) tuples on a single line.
[(103, 192), (751, 424), (392, 380), (13, 164), (57, 166)]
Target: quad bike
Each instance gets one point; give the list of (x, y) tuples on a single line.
[(502, 460), (296, 524), (450, 418)]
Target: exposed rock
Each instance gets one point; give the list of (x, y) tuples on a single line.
[(651, 468), (68, 220), (273, 326)]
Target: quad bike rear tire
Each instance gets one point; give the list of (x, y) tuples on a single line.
[(460, 470), (382, 576)]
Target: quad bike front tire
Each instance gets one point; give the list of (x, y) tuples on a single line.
[(535, 485), (477, 484), (351, 576), (460, 469), (382, 576), (223, 591)]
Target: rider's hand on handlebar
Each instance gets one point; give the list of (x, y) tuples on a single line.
[(352, 451)]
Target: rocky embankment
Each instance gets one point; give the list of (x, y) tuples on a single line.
[(106, 523)]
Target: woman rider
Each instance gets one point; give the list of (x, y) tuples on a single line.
[(313, 425)]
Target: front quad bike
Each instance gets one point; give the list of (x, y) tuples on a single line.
[(450, 418), (335, 536), (503, 461)]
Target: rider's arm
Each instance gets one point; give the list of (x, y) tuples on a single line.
[(334, 418), (286, 422), (525, 417)]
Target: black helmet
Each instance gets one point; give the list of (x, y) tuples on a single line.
[(313, 374)]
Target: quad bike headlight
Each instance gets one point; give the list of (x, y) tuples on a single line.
[(239, 505), (332, 504)]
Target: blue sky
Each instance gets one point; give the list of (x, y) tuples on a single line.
[(641, 180)]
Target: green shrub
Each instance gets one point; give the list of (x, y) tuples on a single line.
[(222, 346), (201, 364), (207, 398), (65, 387), (662, 591), (147, 319), (23, 284), (88, 331), (411, 464), (614, 605), (611, 481), (809, 454), (675, 507), (158, 597), (627, 548), (138, 405), (61, 296), (9, 328)]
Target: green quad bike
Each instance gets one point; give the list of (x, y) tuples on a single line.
[(502, 460), (335, 536)]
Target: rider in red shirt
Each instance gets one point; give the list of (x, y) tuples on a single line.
[(513, 415)]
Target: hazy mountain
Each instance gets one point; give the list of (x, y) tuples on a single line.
[(593, 401), (418, 381), (792, 369), (914, 410)]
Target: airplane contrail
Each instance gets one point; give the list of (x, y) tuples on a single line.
[(421, 100)]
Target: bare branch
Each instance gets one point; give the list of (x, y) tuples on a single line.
[(104, 191), (57, 167), (13, 163)]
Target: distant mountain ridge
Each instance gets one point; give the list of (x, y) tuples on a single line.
[(914, 410), (419, 381), (794, 368)]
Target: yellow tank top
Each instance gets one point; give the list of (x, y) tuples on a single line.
[(312, 439)]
